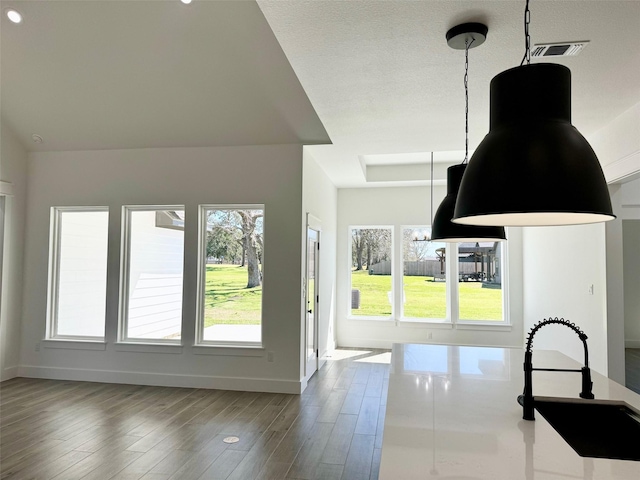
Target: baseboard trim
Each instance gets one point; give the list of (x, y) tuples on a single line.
[(632, 344), (8, 373), (164, 380)]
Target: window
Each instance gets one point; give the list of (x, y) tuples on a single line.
[(424, 275), (78, 272), (231, 274), (480, 270), (438, 282), (371, 272), (153, 250)]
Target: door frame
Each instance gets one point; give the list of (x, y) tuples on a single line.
[(311, 366)]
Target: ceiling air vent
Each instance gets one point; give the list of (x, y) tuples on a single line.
[(563, 49)]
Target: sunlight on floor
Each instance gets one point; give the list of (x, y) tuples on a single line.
[(380, 358), (344, 354)]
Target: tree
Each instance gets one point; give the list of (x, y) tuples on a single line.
[(222, 243), (374, 243), (249, 221), (233, 231)]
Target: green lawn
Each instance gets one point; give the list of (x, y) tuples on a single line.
[(425, 298), (227, 301)]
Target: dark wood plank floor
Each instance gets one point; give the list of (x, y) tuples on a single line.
[(66, 430), (632, 369)]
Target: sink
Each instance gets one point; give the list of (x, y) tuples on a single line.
[(594, 428)]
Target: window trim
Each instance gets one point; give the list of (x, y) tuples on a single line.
[(199, 341), (125, 263), (378, 318), (53, 280), (452, 319)]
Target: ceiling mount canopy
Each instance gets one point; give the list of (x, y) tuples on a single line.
[(533, 168), (462, 37)]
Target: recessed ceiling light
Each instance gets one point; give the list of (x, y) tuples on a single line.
[(186, 2), (13, 15)]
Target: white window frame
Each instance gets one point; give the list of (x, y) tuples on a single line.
[(447, 318), (393, 315), (51, 330), (125, 252), (452, 319), (202, 271)]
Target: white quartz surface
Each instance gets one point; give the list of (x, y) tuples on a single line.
[(452, 414)]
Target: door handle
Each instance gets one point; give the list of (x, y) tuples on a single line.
[(309, 311)]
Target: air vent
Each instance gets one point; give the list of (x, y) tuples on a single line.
[(561, 49)]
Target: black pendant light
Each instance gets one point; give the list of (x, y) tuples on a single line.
[(465, 36), (533, 167)]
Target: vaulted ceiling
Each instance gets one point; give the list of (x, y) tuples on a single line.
[(371, 86)]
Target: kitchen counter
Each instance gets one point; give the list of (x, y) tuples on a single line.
[(452, 413)]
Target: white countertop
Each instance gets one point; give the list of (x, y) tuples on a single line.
[(452, 413)]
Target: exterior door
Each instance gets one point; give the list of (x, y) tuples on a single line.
[(311, 313)]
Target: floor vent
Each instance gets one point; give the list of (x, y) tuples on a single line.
[(564, 49)]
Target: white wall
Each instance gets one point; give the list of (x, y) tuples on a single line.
[(630, 213), (404, 207), (13, 171), (271, 175), (617, 145), (615, 290), (320, 198), (631, 242), (559, 266)]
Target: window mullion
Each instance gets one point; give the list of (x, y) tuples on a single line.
[(453, 305)]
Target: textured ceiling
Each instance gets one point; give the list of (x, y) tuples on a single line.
[(384, 81), (377, 75)]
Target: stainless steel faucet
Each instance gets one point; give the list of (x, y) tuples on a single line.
[(526, 399)]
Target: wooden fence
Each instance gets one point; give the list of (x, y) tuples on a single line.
[(425, 268)]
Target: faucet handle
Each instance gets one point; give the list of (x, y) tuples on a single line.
[(587, 384)]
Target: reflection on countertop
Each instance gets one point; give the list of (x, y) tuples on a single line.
[(452, 413)]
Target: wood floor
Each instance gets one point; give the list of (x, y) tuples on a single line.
[(632, 369), (66, 430)]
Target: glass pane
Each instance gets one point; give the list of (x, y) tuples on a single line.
[(424, 280), (82, 273), (480, 280), (156, 249), (312, 243), (371, 286), (233, 275)]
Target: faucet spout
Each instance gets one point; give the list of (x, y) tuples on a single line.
[(527, 399)]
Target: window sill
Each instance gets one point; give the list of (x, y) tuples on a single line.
[(229, 350), (372, 319), (484, 326), (416, 322), (74, 344), (148, 347)]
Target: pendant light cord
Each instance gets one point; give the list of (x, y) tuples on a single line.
[(527, 37), (467, 45)]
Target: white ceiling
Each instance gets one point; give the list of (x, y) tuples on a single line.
[(133, 74), (379, 74)]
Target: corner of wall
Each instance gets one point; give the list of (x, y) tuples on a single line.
[(13, 172)]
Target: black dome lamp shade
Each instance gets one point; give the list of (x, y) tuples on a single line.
[(443, 229), (463, 36), (533, 168)]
